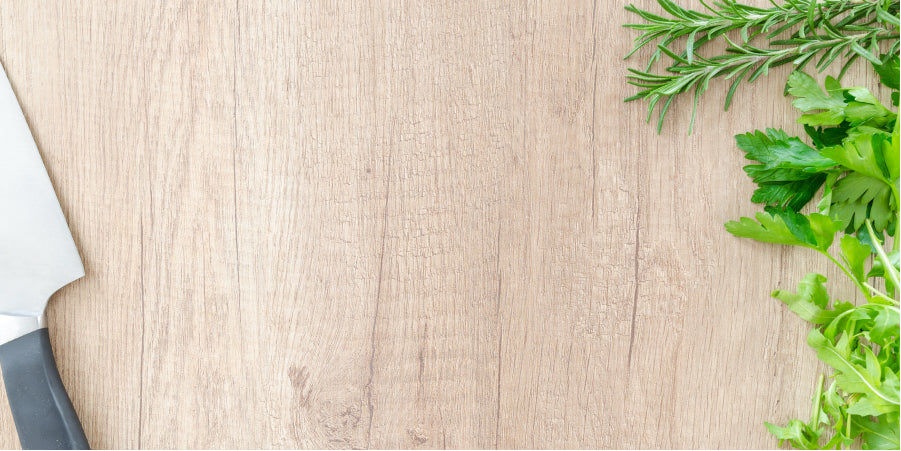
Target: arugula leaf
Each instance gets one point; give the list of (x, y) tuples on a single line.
[(834, 407), (851, 376), (812, 300), (881, 435), (800, 435), (870, 406), (878, 269), (885, 326)]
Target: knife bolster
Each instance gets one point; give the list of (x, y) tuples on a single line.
[(12, 327)]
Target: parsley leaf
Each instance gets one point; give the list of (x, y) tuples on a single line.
[(855, 255), (864, 151), (856, 197), (815, 231), (857, 106), (790, 173), (889, 74), (810, 97), (827, 136)]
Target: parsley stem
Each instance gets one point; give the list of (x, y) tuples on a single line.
[(848, 273), (889, 269), (897, 198)]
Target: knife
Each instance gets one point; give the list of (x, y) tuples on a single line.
[(37, 258)]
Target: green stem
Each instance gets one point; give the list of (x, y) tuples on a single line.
[(897, 202), (865, 306), (880, 294), (890, 271), (848, 273), (815, 415)]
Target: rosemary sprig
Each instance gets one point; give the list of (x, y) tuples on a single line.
[(797, 32)]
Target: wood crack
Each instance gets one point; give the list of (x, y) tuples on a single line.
[(635, 273), (500, 340), (378, 296), (594, 103), (235, 167)]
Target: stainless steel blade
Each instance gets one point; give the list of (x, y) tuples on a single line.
[(37, 253)]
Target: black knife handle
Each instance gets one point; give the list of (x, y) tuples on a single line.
[(42, 411)]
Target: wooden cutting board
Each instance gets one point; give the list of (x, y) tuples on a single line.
[(371, 224)]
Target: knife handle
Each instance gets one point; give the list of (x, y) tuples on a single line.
[(42, 411)]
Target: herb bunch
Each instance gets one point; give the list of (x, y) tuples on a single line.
[(854, 158), (797, 32)]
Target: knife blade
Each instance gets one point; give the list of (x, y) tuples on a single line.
[(37, 257)]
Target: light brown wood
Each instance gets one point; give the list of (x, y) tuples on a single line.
[(399, 225)]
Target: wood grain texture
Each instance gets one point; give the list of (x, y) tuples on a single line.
[(399, 225)]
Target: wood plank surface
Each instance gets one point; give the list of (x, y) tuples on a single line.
[(400, 225)]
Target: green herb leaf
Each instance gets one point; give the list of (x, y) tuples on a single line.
[(827, 136), (851, 377), (885, 326), (865, 109), (879, 435), (878, 269), (855, 255), (810, 97), (815, 231), (888, 72), (811, 300), (863, 152), (856, 106), (797, 433), (892, 153), (790, 173), (857, 197)]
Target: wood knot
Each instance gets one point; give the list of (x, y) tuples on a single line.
[(418, 435), (300, 381)]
